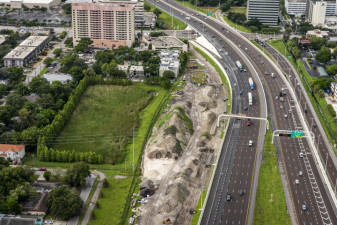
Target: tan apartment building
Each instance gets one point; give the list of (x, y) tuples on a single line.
[(108, 25)]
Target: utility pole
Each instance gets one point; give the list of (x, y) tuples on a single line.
[(133, 150)]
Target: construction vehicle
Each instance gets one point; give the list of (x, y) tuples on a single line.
[(167, 221)]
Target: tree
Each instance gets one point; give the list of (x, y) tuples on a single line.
[(76, 174), (47, 61), (83, 44), (316, 42), (157, 12), (13, 205), (110, 69), (77, 73), (89, 72), (57, 52), (15, 100), (46, 175), (285, 37), (150, 46), (323, 55), (296, 52), (6, 113), (288, 30), (39, 85), (332, 69), (225, 7), (169, 74), (67, 8), (63, 203)]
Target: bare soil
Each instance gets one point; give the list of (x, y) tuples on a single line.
[(174, 172)]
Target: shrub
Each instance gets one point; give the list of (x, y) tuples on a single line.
[(331, 110)]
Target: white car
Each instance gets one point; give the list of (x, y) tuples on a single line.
[(250, 143), (285, 116), (297, 181), (281, 106), (300, 173)]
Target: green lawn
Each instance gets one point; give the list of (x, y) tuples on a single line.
[(103, 121), (270, 205), (112, 203), (43, 71), (238, 10), (202, 9), (236, 26), (196, 216), (199, 78), (279, 45), (167, 19)]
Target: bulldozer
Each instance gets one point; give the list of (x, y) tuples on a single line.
[(167, 221)]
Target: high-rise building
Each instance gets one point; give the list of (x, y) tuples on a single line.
[(296, 7), (266, 11), (139, 8), (317, 12), (331, 8), (108, 25)]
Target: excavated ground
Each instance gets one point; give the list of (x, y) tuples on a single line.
[(174, 172)]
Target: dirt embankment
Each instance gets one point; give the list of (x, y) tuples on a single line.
[(174, 172)]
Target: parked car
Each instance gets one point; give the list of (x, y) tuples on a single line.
[(42, 169)]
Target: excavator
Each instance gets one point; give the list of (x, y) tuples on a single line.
[(167, 221)]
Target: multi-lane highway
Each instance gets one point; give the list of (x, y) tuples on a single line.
[(310, 190)]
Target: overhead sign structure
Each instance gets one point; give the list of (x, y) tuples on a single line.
[(297, 134), (209, 13)]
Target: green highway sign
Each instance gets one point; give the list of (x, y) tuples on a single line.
[(209, 13), (297, 134)]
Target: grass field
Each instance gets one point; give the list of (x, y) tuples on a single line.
[(238, 10), (167, 19), (103, 121), (270, 205), (279, 45), (236, 26), (112, 203), (199, 78)]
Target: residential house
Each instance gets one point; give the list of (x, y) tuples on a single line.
[(12, 152)]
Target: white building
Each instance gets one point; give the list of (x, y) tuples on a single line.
[(26, 51), (13, 152), (3, 39), (266, 11), (169, 62), (136, 71), (296, 7), (4, 81), (167, 42), (63, 78), (317, 33), (317, 12)]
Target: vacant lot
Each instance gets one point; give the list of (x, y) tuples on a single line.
[(103, 121)]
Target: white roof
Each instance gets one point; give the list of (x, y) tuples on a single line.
[(60, 77), (2, 39), (19, 53), (33, 41)]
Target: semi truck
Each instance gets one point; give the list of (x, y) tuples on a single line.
[(239, 65), (250, 98), (251, 83)]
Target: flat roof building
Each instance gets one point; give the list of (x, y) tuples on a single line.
[(317, 12), (266, 11), (26, 51), (296, 7), (318, 33), (107, 25), (169, 62), (167, 42), (63, 78)]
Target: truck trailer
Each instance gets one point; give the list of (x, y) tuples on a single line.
[(251, 83), (250, 98)]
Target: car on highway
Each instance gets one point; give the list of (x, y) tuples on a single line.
[(297, 181), (250, 143), (241, 92), (244, 70), (314, 125), (241, 192), (281, 106), (229, 197), (276, 97), (300, 173), (301, 155), (249, 123), (285, 116), (246, 107), (289, 111), (304, 207)]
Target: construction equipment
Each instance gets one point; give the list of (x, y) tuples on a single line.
[(167, 221)]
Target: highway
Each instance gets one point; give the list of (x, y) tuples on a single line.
[(311, 190)]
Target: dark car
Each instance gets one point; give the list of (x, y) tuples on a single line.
[(241, 192), (229, 197), (42, 169)]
